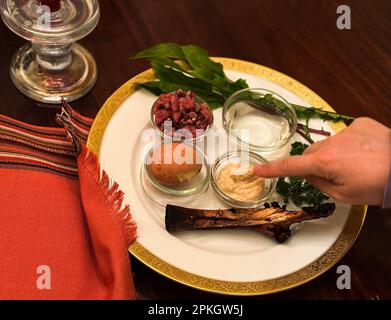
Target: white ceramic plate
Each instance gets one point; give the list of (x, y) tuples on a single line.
[(224, 261)]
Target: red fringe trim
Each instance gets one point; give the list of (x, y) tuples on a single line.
[(110, 190)]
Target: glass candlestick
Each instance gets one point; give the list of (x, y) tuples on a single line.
[(52, 66)]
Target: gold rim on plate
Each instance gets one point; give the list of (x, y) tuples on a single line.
[(340, 247)]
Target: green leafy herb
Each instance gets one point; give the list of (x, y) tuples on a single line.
[(168, 49), (190, 68), (306, 113), (298, 148), (297, 189)]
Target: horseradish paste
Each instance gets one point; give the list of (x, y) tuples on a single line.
[(237, 180)]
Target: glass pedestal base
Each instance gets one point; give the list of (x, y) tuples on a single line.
[(49, 86)]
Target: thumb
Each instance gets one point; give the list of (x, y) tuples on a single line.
[(288, 167)]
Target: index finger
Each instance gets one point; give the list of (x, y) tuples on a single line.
[(292, 166)]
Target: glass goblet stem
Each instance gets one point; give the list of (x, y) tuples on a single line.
[(53, 57)]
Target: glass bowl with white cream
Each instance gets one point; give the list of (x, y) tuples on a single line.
[(233, 179), (259, 120)]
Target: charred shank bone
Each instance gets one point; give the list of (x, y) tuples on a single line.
[(272, 220)]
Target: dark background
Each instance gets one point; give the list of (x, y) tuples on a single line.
[(350, 69)]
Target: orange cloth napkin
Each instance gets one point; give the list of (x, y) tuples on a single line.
[(64, 231)]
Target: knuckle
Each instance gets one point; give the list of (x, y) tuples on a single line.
[(326, 160), (284, 165)]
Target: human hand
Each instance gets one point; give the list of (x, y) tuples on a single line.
[(351, 166)]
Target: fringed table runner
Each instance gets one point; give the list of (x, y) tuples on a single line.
[(64, 231)]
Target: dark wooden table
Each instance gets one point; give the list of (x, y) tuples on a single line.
[(350, 69)]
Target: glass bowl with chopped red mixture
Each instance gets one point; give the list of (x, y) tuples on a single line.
[(181, 116)]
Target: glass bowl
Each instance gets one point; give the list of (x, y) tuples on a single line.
[(260, 120), (184, 136), (250, 158), (163, 194)]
